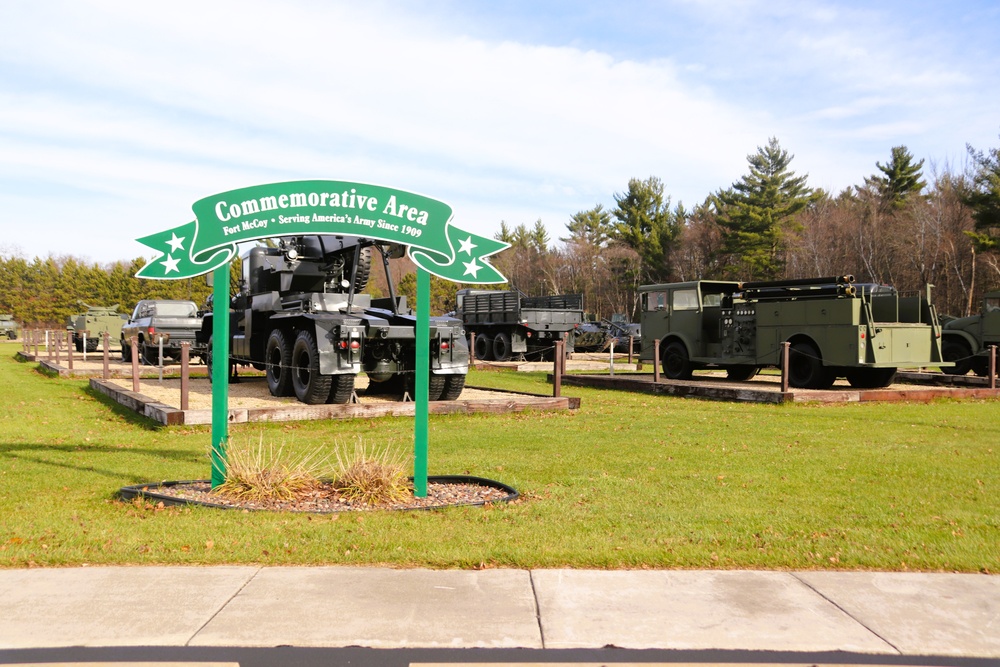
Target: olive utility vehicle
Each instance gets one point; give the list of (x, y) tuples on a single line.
[(834, 327)]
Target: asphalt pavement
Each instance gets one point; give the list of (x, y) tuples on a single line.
[(868, 613)]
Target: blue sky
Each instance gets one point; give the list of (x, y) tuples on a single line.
[(115, 116)]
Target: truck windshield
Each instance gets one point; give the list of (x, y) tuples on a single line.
[(176, 309)]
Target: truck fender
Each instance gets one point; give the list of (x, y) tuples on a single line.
[(958, 334)]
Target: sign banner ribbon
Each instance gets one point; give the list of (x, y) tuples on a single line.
[(322, 207)]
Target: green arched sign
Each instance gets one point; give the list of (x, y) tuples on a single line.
[(322, 207)]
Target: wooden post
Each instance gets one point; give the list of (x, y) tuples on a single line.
[(472, 349), (69, 351), (37, 336), (631, 343), (656, 360), (185, 368), (56, 335), (611, 357), (134, 344), (993, 367), (106, 372), (557, 356), (784, 366)]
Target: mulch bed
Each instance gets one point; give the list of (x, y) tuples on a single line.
[(441, 492)]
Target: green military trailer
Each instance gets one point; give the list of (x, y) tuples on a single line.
[(966, 340), (88, 329), (834, 327), (8, 327)]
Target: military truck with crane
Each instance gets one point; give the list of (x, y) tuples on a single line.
[(509, 324), (8, 327), (965, 341), (835, 328), (299, 315)]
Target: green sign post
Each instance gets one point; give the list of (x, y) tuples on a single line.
[(344, 208)]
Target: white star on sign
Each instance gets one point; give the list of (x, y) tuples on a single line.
[(176, 243), (466, 246), (471, 267), (171, 265)]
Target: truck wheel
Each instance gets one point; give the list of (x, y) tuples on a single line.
[(91, 345), (806, 369), (78, 344), (740, 373), (310, 386), (364, 268), (501, 347), (870, 378), (341, 388), (676, 364), (956, 350), (484, 347), (435, 387), (453, 386), (126, 352), (278, 359)]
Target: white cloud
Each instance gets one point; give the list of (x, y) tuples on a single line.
[(146, 108)]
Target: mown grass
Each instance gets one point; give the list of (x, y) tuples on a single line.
[(628, 481)]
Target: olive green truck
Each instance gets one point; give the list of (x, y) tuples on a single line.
[(967, 340), (834, 327)]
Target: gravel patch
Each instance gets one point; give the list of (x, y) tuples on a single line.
[(445, 492)]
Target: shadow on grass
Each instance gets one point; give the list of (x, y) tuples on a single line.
[(24, 451), (128, 415)]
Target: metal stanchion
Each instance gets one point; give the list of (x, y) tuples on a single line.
[(557, 355), (185, 367), (993, 367), (784, 366), (656, 360), (134, 343)]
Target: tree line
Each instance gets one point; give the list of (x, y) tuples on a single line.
[(900, 226)]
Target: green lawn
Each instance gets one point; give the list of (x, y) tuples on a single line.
[(628, 481)]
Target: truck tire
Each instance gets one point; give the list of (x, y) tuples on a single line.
[(341, 388), (364, 268), (311, 387), (676, 364), (435, 387), (501, 347), (78, 344), (484, 347), (740, 372), (870, 378), (126, 351), (806, 369), (453, 386), (957, 351), (278, 362)]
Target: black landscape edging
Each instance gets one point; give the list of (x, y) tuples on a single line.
[(143, 490)]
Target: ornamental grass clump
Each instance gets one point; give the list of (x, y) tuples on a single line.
[(372, 477), (260, 472)]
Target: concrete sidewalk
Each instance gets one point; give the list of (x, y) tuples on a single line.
[(864, 612)]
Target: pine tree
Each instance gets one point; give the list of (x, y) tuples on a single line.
[(646, 224), (901, 179), (757, 213), (982, 195)]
